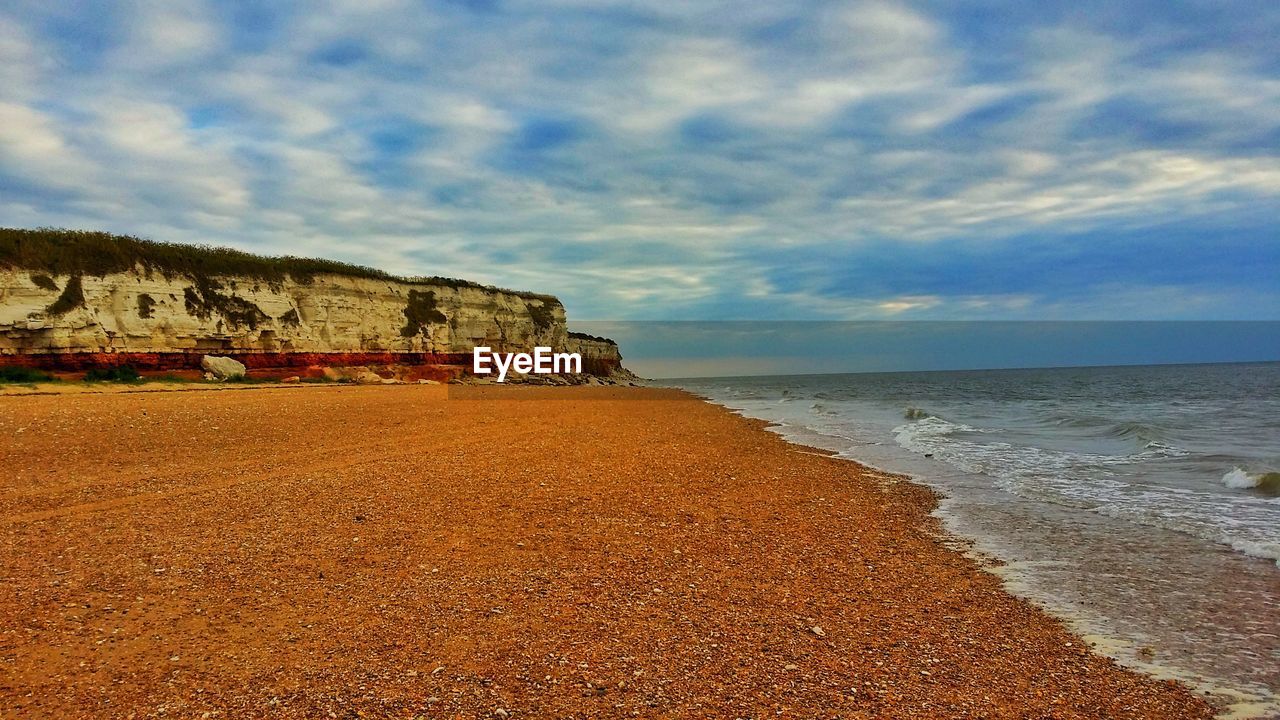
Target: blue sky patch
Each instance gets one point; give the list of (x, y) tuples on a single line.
[(817, 159)]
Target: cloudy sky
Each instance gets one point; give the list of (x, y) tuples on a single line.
[(650, 159)]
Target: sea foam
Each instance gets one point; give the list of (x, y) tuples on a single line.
[(1239, 479), (1266, 483)]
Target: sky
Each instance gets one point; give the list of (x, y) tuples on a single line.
[(697, 160)]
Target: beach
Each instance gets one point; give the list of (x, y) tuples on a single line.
[(1128, 501), (430, 551)]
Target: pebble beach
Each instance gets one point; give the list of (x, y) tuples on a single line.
[(435, 551)]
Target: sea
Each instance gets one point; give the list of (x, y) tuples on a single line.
[(1139, 504)]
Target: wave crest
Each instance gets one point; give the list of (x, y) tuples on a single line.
[(1266, 483)]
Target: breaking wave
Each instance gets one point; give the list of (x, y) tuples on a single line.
[(1266, 483)]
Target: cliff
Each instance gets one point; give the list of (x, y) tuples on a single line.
[(600, 356), (73, 300)]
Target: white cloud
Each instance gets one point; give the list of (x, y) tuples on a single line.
[(33, 145), (1136, 185), (880, 34), (149, 150), (287, 163), (165, 32), (22, 61)]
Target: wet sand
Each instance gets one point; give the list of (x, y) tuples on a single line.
[(529, 552)]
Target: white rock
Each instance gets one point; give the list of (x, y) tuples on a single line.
[(222, 368)]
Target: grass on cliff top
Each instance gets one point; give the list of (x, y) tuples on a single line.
[(597, 338), (57, 251)]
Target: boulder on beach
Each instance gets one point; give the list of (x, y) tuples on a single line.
[(222, 368)]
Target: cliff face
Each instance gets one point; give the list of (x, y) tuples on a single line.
[(600, 356), (74, 300), (147, 319), (134, 312)]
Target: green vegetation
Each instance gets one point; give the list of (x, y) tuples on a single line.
[(542, 315), (420, 312), (597, 338), (19, 374), (121, 373), (146, 304), (71, 298), (54, 251), (44, 282), (205, 299)]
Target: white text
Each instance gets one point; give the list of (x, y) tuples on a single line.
[(541, 361)]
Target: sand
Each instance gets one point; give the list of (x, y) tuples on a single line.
[(528, 552)]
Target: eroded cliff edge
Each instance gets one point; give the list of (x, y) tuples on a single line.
[(74, 300)]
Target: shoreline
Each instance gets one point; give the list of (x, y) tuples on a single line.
[(554, 550), (1231, 704)]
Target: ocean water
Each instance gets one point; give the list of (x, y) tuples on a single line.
[(1139, 504)]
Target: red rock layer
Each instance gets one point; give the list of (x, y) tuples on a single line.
[(188, 360), (79, 362)]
